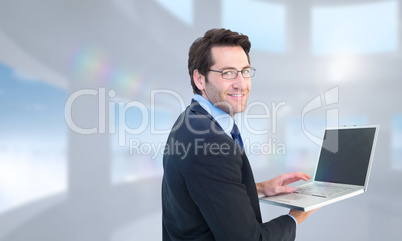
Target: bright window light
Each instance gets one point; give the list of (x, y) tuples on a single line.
[(33, 139), (355, 29), (264, 23)]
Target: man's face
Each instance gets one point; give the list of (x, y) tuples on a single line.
[(229, 95)]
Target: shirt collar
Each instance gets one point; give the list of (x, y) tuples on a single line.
[(223, 118)]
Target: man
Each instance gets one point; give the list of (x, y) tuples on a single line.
[(208, 189)]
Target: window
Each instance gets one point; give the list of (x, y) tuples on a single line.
[(33, 139), (355, 29), (264, 23)]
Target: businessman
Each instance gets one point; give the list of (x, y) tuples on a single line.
[(208, 188)]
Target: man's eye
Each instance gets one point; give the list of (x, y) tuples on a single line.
[(246, 71), (228, 72)]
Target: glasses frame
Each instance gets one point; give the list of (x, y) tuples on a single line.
[(237, 72)]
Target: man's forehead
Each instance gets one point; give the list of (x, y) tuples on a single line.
[(229, 55)]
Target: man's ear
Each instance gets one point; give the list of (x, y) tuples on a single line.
[(199, 79)]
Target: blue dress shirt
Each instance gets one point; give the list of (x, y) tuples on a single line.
[(223, 118)]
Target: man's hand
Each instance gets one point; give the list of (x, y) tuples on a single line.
[(279, 184), (300, 216)]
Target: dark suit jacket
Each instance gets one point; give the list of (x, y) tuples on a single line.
[(208, 188)]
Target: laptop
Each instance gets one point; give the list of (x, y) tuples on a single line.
[(342, 170)]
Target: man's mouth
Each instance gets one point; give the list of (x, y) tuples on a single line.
[(236, 95)]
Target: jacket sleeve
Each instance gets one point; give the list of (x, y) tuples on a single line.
[(214, 181)]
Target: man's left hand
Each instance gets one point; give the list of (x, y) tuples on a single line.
[(279, 184)]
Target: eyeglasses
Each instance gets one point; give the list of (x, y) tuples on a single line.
[(232, 73)]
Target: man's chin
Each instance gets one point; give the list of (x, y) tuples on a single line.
[(237, 110), (232, 109)]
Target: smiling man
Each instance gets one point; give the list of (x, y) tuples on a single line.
[(231, 93), (209, 193)]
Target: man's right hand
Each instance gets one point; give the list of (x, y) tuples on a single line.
[(300, 216)]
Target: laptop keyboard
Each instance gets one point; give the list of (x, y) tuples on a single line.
[(321, 190)]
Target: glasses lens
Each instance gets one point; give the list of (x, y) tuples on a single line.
[(229, 73), (232, 73), (248, 72)]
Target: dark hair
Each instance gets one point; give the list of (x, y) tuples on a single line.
[(200, 57)]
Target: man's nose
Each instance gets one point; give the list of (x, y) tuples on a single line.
[(239, 82)]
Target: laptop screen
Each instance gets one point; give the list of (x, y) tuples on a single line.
[(345, 155)]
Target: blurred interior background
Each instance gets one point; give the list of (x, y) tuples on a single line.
[(89, 90)]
